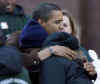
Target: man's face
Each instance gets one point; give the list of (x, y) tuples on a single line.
[(6, 3), (54, 23), (3, 3), (12, 2)]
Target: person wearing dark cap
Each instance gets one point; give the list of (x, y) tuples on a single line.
[(12, 16), (11, 65), (59, 70)]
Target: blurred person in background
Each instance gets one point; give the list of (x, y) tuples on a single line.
[(11, 65), (12, 16)]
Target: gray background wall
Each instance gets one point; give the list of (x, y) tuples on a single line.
[(87, 12)]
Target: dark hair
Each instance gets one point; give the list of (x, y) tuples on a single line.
[(63, 39), (44, 10)]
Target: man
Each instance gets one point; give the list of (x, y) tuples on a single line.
[(12, 17), (47, 18), (38, 28)]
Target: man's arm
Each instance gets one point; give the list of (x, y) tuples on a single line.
[(59, 51)]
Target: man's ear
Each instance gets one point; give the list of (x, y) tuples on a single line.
[(41, 22)]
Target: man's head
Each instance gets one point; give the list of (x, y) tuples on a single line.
[(3, 3), (62, 39), (49, 16), (8, 4)]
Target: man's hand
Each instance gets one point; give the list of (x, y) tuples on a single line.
[(59, 51), (64, 51)]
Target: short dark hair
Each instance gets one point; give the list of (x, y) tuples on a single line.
[(44, 10)]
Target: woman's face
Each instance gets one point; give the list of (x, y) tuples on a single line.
[(66, 25)]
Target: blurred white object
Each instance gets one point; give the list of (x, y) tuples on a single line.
[(96, 63), (93, 54), (4, 25)]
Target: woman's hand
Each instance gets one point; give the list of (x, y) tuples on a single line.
[(90, 68), (64, 51)]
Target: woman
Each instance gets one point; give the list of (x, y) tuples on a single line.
[(70, 26)]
